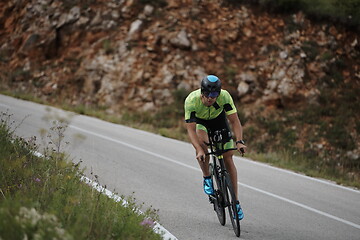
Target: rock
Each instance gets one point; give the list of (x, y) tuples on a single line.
[(97, 19), (183, 85), (115, 14), (272, 99), (271, 86), (247, 32), (286, 87), (162, 96), (354, 43), (299, 18), (32, 40), (148, 107), (70, 17), (181, 40), (248, 77), (134, 28), (352, 155), (173, 4), (148, 10), (74, 14), (283, 55), (279, 74), (243, 88), (312, 97), (83, 21), (296, 72)]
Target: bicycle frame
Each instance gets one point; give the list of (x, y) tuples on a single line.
[(224, 195), (218, 161)]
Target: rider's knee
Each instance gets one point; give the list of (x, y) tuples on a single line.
[(228, 156)]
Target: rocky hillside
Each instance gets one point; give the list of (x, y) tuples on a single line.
[(287, 74)]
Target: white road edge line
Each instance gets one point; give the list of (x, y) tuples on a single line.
[(244, 185), (157, 228)]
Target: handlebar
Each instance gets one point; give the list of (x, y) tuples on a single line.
[(217, 137), (216, 152)]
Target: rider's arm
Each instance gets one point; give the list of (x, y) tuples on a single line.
[(191, 129), (190, 119), (238, 130)]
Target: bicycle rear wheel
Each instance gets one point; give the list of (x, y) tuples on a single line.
[(218, 199), (231, 205)]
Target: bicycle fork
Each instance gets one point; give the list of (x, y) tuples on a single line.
[(224, 176)]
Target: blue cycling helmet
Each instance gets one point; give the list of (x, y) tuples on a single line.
[(211, 86)]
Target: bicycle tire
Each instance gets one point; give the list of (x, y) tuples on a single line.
[(218, 202), (231, 205)]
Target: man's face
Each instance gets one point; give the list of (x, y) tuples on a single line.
[(207, 100)]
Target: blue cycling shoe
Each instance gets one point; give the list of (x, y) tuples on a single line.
[(208, 186), (239, 210)]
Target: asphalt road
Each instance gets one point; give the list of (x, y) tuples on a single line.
[(164, 174)]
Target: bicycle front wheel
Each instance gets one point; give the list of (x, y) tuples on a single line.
[(218, 201), (231, 205)]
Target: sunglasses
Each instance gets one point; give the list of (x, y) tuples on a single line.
[(211, 94)]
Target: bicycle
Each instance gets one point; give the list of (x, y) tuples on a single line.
[(224, 195)]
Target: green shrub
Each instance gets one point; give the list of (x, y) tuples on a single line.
[(311, 49), (44, 198), (283, 5), (345, 11), (107, 46)]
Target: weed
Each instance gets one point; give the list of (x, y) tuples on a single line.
[(107, 46), (19, 75), (251, 133), (337, 135), (291, 25), (311, 49), (43, 198), (5, 55), (283, 5), (228, 56), (158, 3), (357, 127), (273, 126), (230, 73), (336, 10), (299, 162), (289, 138), (326, 56), (242, 117)]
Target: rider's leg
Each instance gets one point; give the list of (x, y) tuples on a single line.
[(204, 165), (230, 166)]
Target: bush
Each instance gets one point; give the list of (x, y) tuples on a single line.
[(44, 198), (345, 11)]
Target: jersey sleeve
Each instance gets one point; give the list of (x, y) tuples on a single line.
[(229, 105)]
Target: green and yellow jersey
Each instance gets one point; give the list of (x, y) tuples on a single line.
[(194, 108), (213, 117)]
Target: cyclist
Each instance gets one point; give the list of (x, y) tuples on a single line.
[(211, 107)]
